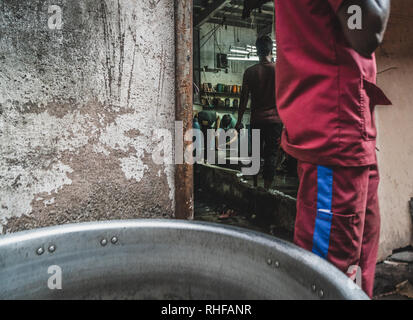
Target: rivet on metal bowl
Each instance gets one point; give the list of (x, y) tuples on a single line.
[(269, 262), (114, 240), (103, 242), (40, 251), (314, 287), (321, 293), (52, 249), (277, 264)]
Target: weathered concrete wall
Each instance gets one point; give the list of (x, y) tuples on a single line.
[(395, 129), (77, 109)]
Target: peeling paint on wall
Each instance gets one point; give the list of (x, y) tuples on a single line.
[(78, 107)]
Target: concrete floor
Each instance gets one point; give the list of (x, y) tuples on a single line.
[(207, 209)]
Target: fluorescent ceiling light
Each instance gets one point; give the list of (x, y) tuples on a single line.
[(254, 58), (237, 55), (239, 51), (247, 53)]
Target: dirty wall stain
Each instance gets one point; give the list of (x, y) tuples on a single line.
[(78, 107)]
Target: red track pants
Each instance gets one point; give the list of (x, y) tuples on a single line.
[(338, 217)]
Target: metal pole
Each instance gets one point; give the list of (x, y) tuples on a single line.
[(184, 173)]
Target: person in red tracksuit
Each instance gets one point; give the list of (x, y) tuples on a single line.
[(326, 93)]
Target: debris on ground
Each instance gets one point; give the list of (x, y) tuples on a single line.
[(394, 276), (208, 209), (229, 213), (405, 289)]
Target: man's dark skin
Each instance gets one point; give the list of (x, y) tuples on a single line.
[(245, 93), (375, 15), (245, 96)]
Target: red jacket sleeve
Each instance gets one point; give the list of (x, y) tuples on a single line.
[(335, 4)]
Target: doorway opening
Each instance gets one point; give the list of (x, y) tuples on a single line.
[(224, 47)]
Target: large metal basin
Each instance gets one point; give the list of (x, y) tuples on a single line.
[(153, 259)]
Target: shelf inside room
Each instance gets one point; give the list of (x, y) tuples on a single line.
[(221, 94), (227, 109)]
